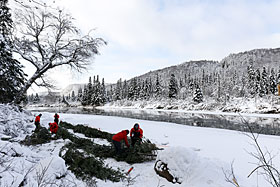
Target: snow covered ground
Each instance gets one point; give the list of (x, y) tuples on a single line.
[(196, 155), (207, 149)]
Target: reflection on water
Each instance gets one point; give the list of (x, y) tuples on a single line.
[(260, 125)]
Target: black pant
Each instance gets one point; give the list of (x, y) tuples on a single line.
[(37, 124), (56, 120), (134, 140), (117, 146)]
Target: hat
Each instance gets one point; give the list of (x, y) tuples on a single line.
[(136, 126)]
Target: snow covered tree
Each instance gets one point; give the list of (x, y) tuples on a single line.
[(173, 87), (103, 92), (80, 94), (89, 92), (36, 98), (158, 88), (198, 97), (85, 96), (125, 90), (98, 95), (118, 90), (278, 76), (31, 98), (47, 39), (258, 81), (251, 79), (272, 82), (11, 75), (73, 97), (142, 93), (133, 89), (264, 83)]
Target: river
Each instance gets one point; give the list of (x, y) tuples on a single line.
[(263, 124)]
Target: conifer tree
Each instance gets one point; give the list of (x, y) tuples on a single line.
[(85, 96), (89, 92), (118, 90), (80, 94), (73, 97), (278, 76), (142, 92), (36, 98), (98, 94), (125, 90), (173, 87), (272, 82), (133, 89), (31, 98), (251, 79), (158, 88), (264, 83), (198, 97), (103, 92), (11, 75), (258, 81)]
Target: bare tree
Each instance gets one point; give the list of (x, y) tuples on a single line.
[(47, 38), (264, 158)]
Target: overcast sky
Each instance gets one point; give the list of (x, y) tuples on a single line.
[(146, 35)]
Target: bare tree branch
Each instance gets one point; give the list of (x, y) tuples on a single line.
[(264, 158), (48, 39)]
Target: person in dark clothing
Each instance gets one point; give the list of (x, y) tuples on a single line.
[(136, 134), (56, 118), (37, 122), (117, 140)]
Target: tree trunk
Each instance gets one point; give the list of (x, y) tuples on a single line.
[(23, 91)]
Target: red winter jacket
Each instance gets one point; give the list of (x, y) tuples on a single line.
[(121, 136), (136, 133), (37, 119), (53, 127)]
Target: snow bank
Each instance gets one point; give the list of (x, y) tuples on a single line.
[(14, 122), (190, 169), (47, 171)]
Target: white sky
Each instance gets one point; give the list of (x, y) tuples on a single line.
[(146, 35)]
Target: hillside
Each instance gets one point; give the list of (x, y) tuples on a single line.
[(249, 74)]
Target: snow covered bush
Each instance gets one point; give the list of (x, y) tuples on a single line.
[(14, 122)]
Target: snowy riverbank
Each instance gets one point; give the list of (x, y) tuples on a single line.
[(265, 105), (200, 154)]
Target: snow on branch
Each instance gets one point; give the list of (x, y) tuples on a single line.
[(47, 38)]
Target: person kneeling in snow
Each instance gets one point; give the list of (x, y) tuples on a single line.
[(117, 140), (136, 134), (53, 127)]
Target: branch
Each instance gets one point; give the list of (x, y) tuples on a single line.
[(261, 157)]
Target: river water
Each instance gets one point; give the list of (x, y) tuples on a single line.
[(258, 124)]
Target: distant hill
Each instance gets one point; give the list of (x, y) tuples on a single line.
[(260, 57), (72, 87), (228, 76)]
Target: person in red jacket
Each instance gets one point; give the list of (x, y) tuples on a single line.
[(37, 122), (56, 118), (53, 127), (136, 134), (117, 140)]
